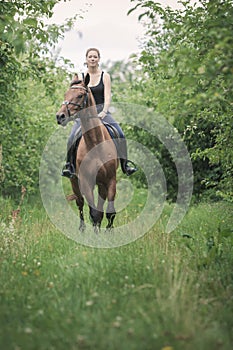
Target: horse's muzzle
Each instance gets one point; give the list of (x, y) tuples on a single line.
[(61, 118)]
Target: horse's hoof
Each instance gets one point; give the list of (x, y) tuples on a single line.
[(82, 228), (96, 229), (109, 229)]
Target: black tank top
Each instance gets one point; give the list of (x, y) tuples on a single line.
[(98, 92)]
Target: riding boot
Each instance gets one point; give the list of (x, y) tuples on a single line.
[(69, 168), (125, 163)]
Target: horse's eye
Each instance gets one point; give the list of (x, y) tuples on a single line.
[(80, 96)]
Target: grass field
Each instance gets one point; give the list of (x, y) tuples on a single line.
[(163, 291)]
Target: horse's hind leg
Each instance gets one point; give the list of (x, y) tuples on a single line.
[(80, 204), (110, 215), (111, 212)]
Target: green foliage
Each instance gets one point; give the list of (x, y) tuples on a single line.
[(29, 88), (25, 136), (135, 88), (188, 57), (184, 73)]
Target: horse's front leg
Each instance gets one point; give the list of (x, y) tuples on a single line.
[(96, 216), (102, 195)]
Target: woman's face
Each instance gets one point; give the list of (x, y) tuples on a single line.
[(92, 58)]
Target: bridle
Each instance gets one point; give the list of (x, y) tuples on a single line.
[(79, 106)]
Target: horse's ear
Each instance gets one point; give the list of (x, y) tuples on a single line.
[(75, 78), (87, 79)]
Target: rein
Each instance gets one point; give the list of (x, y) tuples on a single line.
[(78, 105)]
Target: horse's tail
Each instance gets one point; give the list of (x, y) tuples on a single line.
[(71, 197)]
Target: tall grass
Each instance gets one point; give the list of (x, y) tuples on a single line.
[(164, 291)]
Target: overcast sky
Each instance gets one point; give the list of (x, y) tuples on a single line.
[(105, 25)]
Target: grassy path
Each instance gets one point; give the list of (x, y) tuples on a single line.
[(164, 291)]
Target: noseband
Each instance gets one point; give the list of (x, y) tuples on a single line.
[(78, 105)]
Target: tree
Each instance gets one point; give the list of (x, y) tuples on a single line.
[(28, 92), (188, 56)]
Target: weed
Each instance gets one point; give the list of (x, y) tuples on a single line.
[(163, 291)]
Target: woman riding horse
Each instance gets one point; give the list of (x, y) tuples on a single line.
[(96, 159), (100, 85)]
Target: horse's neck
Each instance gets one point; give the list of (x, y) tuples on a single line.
[(92, 127), (92, 130)]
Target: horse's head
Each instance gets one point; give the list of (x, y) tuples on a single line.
[(76, 99)]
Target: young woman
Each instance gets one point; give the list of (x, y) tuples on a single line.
[(100, 85)]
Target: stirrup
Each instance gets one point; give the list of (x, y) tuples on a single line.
[(130, 170), (68, 171)]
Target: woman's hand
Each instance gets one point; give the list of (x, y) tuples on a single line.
[(102, 114)]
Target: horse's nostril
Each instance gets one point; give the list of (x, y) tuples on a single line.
[(60, 116)]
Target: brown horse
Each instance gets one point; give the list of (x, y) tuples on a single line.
[(96, 159)]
